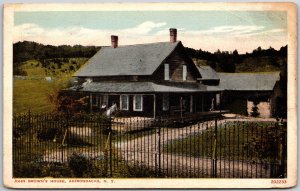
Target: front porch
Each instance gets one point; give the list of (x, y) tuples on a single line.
[(149, 99), (153, 105)]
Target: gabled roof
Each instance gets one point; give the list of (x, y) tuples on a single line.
[(139, 59), (207, 73), (248, 81), (141, 87)]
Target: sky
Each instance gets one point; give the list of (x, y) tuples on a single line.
[(206, 30)]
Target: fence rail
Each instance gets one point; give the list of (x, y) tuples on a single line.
[(93, 146)]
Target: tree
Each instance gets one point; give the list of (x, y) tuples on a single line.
[(71, 68), (255, 112), (235, 52), (67, 103)]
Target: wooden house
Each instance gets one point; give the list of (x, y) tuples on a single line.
[(152, 80)]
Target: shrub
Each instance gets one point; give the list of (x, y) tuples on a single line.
[(79, 164), (142, 171), (59, 171), (68, 104), (28, 170), (48, 133)]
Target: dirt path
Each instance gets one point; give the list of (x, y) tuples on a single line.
[(145, 150)]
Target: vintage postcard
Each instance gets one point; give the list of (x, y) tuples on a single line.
[(153, 95)]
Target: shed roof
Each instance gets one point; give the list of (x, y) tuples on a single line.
[(142, 87), (208, 73), (248, 81), (139, 59)]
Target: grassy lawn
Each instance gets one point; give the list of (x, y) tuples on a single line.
[(32, 93), (238, 140)]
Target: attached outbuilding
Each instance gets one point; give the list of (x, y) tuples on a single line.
[(253, 94)]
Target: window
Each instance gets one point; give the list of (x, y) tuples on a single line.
[(184, 72), (167, 72), (166, 102), (138, 103), (104, 101), (217, 99), (95, 99), (124, 102), (191, 103)]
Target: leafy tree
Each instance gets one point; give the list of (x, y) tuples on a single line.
[(69, 103), (255, 112), (71, 68)]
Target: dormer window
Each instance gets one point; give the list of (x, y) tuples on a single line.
[(167, 72), (184, 72)]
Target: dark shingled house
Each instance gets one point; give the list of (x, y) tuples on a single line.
[(147, 80), (242, 90)]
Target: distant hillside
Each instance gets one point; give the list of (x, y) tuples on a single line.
[(34, 59), (261, 64), (58, 59), (259, 60), (49, 67), (23, 51)]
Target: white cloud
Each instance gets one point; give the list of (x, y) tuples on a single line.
[(243, 37), (269, 32), (143, 28), (240, 29), (81, 35)]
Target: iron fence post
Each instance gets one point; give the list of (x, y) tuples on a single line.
[(105, 162), (214, 144), (159, 150), (274, 158), (110, 145), (282, 149), (65, 131), (30, 135), (215, 147)]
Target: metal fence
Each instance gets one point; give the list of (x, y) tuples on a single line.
[(94, 146)]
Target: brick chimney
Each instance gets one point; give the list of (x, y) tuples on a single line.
[(173, 35), (114, 41)]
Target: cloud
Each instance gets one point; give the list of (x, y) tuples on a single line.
[(80, 35), (244, 38), (143, 28), (269, 32), (239, 29)]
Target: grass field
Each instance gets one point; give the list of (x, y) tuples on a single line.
[(32, 92), (236, 140)]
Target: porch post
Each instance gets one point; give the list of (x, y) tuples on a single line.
[(91, 103), (202, 102), (154, 106), (191, 103)]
